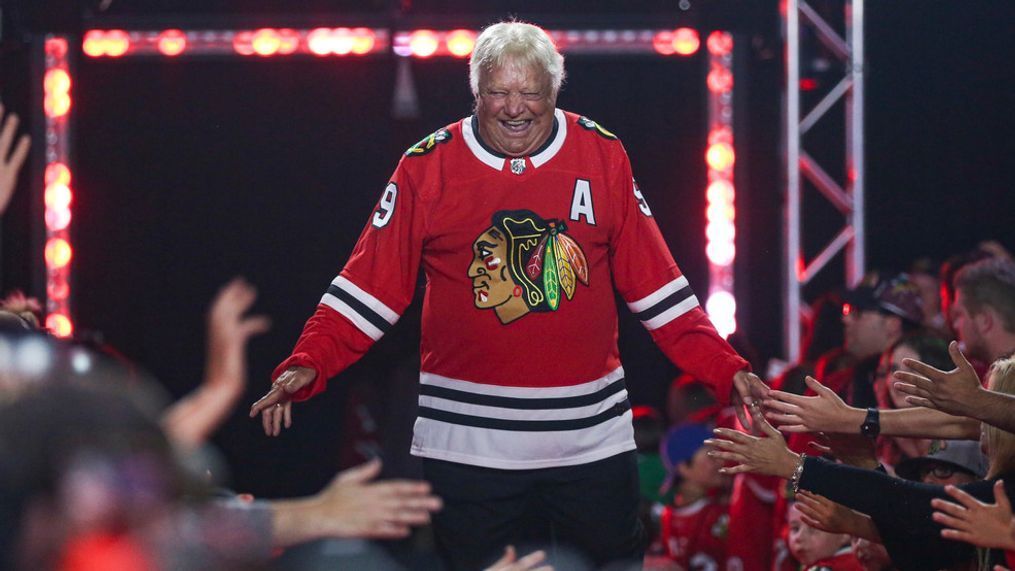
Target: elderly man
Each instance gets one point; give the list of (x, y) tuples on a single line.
[(531, 212)]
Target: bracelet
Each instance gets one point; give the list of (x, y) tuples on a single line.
[(794, 480)]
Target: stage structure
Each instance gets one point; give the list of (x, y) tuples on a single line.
[(60, 51), (847, 196)]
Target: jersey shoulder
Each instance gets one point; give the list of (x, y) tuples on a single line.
[(436, 140), (587, 125)]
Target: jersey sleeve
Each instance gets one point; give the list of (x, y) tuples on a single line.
[(370, 293), (658, 293)]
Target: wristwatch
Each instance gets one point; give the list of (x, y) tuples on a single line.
[(871, 426)]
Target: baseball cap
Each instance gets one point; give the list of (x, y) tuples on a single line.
[(679, 445), (962, 454), (896, 295)]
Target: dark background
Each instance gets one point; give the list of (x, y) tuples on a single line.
[(189, 172)]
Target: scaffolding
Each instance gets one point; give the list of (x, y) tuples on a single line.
[(800, 18)]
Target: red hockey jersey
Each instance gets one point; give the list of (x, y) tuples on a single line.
[(522, 256), (695, 536)]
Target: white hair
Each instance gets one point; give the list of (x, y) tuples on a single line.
[(516, 42)]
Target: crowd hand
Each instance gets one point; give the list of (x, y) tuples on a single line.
[(976, 522), (10, 166), (354, 506), (275, 407), (748, 391), (954, 392), (849, 448), (229, 330), (823, 412), (510, 562), (822, 513), (765, 454)]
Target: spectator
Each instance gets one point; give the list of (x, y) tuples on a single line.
[(948, 462), (10, 163), (818, 550)]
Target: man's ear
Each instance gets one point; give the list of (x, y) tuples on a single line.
[(985, 320)]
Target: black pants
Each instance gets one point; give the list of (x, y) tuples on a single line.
[(589, 508)]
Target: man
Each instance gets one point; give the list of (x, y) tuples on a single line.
[(533, 213)]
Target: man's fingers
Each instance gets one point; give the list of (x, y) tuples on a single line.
[(948, 508), (255, 325), (949, 521), (266, 422), (287, 410), (789, 398), (783, 419), (728, 456), (273, 397), (276, 420), (820, 447), (919, 401), (20, 153), (778, 405), (816, 386), (959, 359), (363, 473), (910, 389), (956, 535), (7, 135), (963, 498), (1001, 496), (532, 559), (738, 469), (734, 435), (923, 368), (759, 421)]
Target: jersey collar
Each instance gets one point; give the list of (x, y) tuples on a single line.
[(496, 160)]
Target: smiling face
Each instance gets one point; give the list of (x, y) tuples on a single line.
[(515, 108)]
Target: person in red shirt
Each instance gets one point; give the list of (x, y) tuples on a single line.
[(527, 221), (818, 550)]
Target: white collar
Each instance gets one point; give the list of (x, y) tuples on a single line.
[(496, 162)]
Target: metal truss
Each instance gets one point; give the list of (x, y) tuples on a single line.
[(800, 18)]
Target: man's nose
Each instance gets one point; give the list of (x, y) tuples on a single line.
[(514, 105)]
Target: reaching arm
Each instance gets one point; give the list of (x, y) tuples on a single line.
[(9, 168)]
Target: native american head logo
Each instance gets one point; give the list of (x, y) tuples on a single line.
[(523, 263)]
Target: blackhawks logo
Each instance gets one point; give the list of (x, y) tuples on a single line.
[(429, 143), (593, 126), (523, 263)]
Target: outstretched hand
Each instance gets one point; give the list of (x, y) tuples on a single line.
[(976, 522), (955, 392), (10, 166), (510, 561), (275, 407), (825, 412), (822, 513), (748, 392), (765, 454)]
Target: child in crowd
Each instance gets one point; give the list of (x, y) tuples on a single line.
[(817, 550)]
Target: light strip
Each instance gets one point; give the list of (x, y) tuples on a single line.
[(58, 196)]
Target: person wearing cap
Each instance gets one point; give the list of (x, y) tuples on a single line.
[(693, 527), (954, 462)]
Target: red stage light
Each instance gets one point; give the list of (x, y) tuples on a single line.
[(242, 43), (57, 289), (56, 47), (808, 84), (686, 41), (720, 156), (319, 41), (57, 219), (720, 135), (58, 196), (461, 42), (58, 253), (172, 42), (341, 41), (56, 105), (57, 81), (720, 80), (59, 325), (719, 191), (720, 43), (721, 253), (57, 173), (289, 41), (662, 42), (362, 41), (718, 213), (266, 42), (94, 44), (720, 232), (116, 43), (423, 43)]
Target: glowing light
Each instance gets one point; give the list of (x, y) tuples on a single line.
[(720, 43), (720, 135), (57, 173), (720, 156), (242, 43), (341, 41), (686, 41), (719, 191), (662, 42), (94, 44), (33, 356), (319, 41), (57, 289), (808, 84), (56, 105), (266, 42), (289, 41), (362, 41), (722, 309), (423, 43), (461, 42), (720, 80), (58, 196), (721, 253), (116, 43), (59, 325), (57, 81), (80, 361), (58, 253), (720, 212), (57, 219), (56, 47), (172, 42)]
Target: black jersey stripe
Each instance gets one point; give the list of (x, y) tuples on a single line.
[(524, 425), (524, 403), (666, 303), (361, 308)]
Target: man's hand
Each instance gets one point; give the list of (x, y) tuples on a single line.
[(766, 454), (748, 391), (849, 448), (229, 330), (510, 561), (955, 392), (822, 513), (972, 521), (354, 506), (825, 412), (275, 407), (9, 167)]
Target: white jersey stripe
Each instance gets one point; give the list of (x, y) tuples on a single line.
[(358, 320), (671, 313), (366, 299), (522, 392), (558, 141), (477, 149), (658, 295)]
